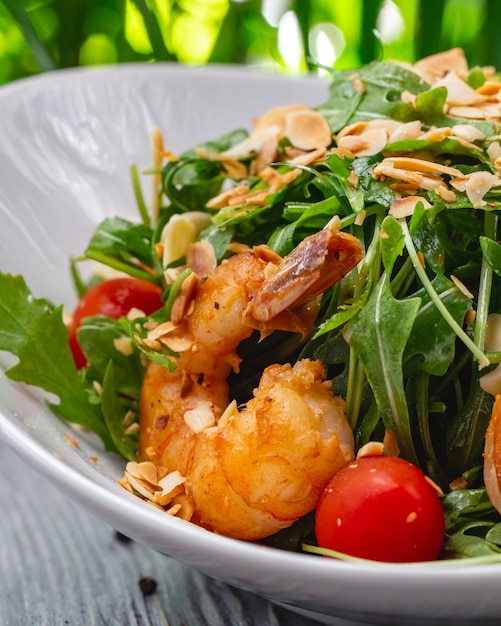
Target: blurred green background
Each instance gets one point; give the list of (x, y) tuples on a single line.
[(293, 36)]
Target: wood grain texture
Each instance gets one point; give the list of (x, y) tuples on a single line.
[(59, 565)]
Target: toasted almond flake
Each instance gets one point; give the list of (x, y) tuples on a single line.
[(408, 97), (179, 232), (437, 65), (368, 143), (459, 93), (491, 111), (254, 141), (234, 168), (67, 318), (177, 343), (309, 157), (461, 286), (468, 132), (237, 247), (446, 194), (186, 506), (353, 143), (476, 185), (98, 387), (390, 445), (221, 200), (491, 382), (353, 179), (494, 151), (406, 176), (201, 258), (170, 482), (307, 129), (138, 485), (200, 417), (389, 125), (135, 313), (230, 411), (276, 117), (184, 300), (470, 316), (373, 448), (467, 112), (161, 329), (146, 470), (128, 417), (255, 198), (157, 146), (267, 154), (404, 207), (436, 134), (153, 344), (489, 88), (405, 188), (458, 483), (132, 429), (403, 132), (420, 165), (360, 217), (492, 341), (123, 345), (171, 274), (351, 129)]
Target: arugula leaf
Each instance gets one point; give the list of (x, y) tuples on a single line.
[(473, 526), (378, 334), (432, 338), (115, 408), (121, 244), (34, 331), (368, 93)]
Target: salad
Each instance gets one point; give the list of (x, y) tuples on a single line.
[(385, 200)]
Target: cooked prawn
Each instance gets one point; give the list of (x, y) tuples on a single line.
[(251, 470)]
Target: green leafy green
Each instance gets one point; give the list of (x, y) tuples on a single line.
[(34, 331)]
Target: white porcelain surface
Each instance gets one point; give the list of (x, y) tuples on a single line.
[(67, 140)]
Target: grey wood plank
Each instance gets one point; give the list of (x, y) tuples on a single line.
[(60, 565)]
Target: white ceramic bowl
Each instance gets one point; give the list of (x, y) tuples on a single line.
[(67, 140)]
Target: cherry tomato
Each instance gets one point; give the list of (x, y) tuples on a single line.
[(381, 508), (114, 298)]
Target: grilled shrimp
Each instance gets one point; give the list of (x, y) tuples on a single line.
[(249, 470)]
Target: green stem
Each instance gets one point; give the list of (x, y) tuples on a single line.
[(132, 270), (174, 290), (485, 286), (138, 194), (483, 361)]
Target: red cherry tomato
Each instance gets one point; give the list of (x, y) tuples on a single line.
[(114, 298), (381, 508)]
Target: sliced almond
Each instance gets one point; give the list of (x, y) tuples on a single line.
[(409, 130), (276, 116), (476, 185), (436, 66), (420, 165), (404, 207), (200, 417), (459, 93), (307, 129)]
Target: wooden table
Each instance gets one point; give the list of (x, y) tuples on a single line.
[(61, 566)]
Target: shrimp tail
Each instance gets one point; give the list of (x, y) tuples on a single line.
[(317, 263)]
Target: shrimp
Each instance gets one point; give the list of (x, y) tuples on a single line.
[(249, 470)]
